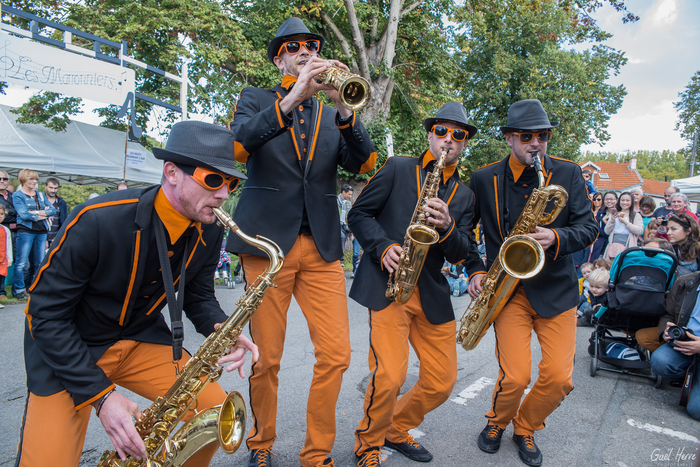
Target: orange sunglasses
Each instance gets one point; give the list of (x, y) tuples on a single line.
[(210, 179), (294, 47)]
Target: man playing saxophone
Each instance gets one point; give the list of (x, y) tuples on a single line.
[(94, 318), (292, 145), (545, 303), (379, 219)]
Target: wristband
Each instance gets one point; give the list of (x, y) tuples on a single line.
[(102, 401)]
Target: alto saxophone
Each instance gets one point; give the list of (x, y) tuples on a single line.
[(418, 239), (520, 257), (224, 424)]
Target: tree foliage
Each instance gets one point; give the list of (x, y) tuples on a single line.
[(50, 109), (689, 109), (511, 51), (417, 55)]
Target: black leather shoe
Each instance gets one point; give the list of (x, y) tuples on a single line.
[(490, 439), (260, 458), (410, 449), (528, 450)]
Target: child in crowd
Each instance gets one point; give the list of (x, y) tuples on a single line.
[(455, 278), (5, 251), (586, 270), (602, 263), (224, 263), (598, 286)]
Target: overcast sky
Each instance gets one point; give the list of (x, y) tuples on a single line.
[(663, 51)]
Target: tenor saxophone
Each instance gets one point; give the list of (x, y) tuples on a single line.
[(418, 239), (520, 257), (224, 424)]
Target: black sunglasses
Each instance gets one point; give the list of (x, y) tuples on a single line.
[(526, 137), (4, 179), (457, 134)]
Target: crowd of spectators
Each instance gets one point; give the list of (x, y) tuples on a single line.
[(29, 220)]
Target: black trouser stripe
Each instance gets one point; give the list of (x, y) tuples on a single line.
[(21, 431), (371, 380)]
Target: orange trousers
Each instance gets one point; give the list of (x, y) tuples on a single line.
[(319, 288), (557, 338), (390, 331), (53, 432), (648, 338)]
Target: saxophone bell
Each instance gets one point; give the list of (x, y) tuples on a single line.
[(355, 91)]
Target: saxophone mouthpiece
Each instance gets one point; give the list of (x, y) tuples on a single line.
[(536, 161)]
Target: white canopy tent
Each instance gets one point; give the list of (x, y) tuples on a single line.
[(83, 154), (689, 186)]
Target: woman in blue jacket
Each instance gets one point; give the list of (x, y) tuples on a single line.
[(33, 213)]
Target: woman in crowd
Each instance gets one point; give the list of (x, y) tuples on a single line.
[(684, 235), (646, 209), (623, 226), (33, 211), (599, 211)]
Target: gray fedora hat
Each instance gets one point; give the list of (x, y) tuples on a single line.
[(451, 112), (200, 144), (527, 114), (292, 27)]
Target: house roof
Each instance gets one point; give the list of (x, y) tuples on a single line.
[(617, 176)]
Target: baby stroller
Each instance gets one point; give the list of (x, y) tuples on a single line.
[(640, 278)]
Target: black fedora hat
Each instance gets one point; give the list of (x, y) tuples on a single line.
[(451, 112), (527, 115), (292, 27), (200, 144)]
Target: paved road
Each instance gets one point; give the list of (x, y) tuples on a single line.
[(610, 420)]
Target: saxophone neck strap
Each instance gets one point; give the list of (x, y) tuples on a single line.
[(174, 303)]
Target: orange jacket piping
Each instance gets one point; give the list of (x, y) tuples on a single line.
[(132, 278)]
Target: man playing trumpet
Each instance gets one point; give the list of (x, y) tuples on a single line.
[(379, 219), (292, 145), (545, 303)]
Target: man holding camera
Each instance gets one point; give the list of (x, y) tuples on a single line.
[(679, 328)]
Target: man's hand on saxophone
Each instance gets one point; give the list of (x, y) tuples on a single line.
[(237, 354), (391, 258), (116, 412), (440, 213), (544, 236), (474, 288)]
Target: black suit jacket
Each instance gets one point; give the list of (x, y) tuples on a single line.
[(278, 191), (554, 290), (82, 301), (379, 219)]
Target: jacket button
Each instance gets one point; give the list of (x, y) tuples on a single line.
[(303, 136)]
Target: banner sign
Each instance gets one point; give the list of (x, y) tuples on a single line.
[(135, 158), (28, 63)]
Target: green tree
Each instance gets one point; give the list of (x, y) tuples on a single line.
[(689, 109), (526, 49)]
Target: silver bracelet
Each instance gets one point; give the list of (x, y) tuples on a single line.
[(102, 401)]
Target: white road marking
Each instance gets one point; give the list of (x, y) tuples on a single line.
[(663, 431), (473, 390), (416, 433)]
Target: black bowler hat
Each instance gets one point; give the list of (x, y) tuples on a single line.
[(200, 144), (451, 112), (527, 115), (292, 27)]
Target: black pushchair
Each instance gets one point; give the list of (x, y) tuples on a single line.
[(640, 278)]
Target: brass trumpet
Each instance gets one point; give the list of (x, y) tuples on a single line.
[(355, 91)]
